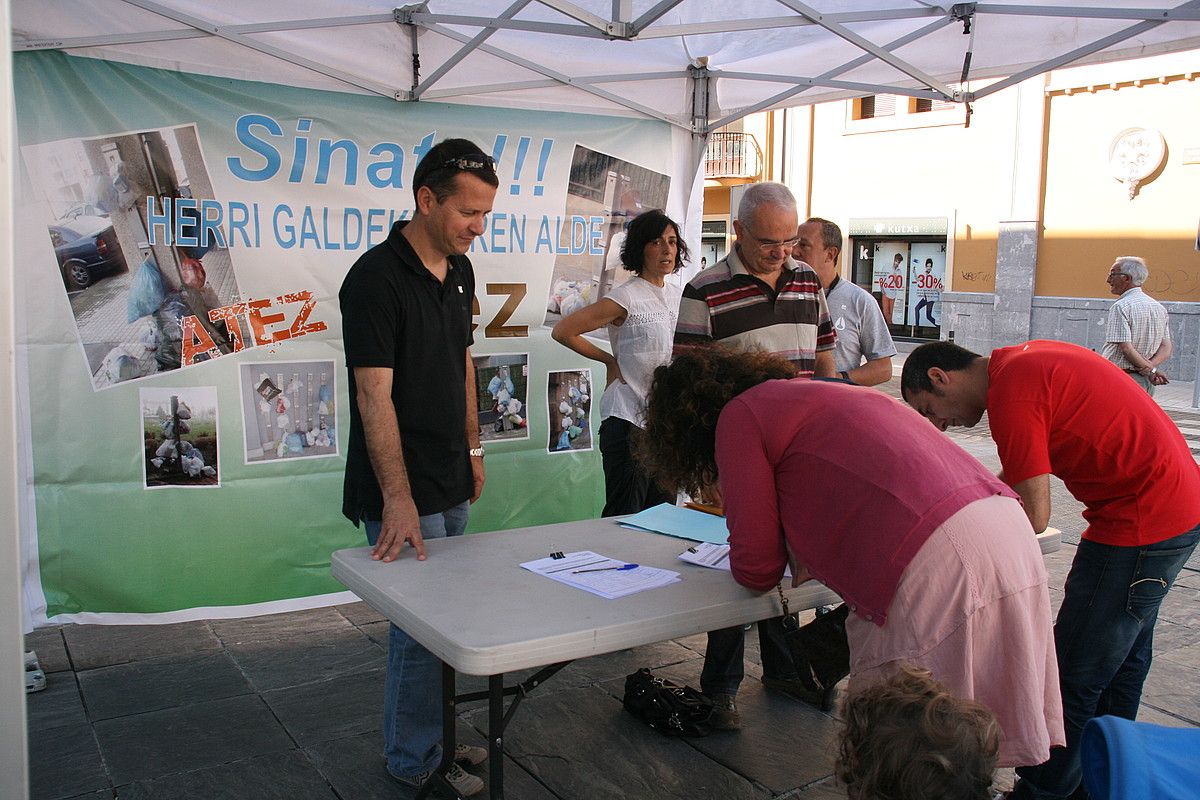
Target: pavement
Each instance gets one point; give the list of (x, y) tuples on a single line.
[(288, 706)]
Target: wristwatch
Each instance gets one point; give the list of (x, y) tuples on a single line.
[(477, 452)]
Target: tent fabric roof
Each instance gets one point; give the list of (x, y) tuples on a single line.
[(682, 61)]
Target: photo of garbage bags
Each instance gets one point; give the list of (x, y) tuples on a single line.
[(604, 186), (288, 410), (127, 295), (502, 381), (569, 403), (179, 431)]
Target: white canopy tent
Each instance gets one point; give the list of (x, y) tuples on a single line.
[(694, 64)]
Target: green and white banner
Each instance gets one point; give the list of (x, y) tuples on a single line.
[(180, 244)]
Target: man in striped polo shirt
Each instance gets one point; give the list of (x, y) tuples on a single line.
[(758, 297)]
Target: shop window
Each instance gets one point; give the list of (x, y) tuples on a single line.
[(907, 277)]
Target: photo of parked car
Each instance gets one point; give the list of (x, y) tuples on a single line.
[(87, 248)]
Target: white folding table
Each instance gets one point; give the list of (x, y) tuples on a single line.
[(480, 613)]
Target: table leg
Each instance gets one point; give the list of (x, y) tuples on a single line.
[(498, 719), (496, 724), (449, 738)]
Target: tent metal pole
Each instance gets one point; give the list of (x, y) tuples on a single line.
[(854, 86), (767, 23), (1073, 55), (671, 31), (1183, 12), (652, 15), (557, 28), (465, 50), (881, 53), (908, 38), (701, 81), (583, 15), (143, 37), (489, 88), (565, 80), (266, 49)]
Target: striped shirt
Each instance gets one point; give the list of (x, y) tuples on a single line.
[(1136, 318), (726, 304)]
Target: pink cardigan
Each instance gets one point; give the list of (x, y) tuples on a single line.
[(854, 480)]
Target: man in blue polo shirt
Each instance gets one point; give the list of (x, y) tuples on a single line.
[(414, 462)]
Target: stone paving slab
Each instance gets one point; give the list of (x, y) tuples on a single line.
[(354, 767), (280, 776), (94, 646), (64, 762), (50, 648), (159, 683), (783, 743), (360, 614), (272, 627), (277, 663), (160, 743), (556, 739), (377, 632), (332, 709), (1171, 687), (57, 705)]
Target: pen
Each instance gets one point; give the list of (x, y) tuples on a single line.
[(602, 569)]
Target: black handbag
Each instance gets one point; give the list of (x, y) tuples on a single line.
[(819, 650), (665, 706)]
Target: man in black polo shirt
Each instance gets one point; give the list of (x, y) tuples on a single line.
[(415, 463)]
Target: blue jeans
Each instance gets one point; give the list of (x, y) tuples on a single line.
[(412, 687), (1104, 636)]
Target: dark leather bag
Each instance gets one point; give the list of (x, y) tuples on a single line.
[(819, 650), (665, 706)]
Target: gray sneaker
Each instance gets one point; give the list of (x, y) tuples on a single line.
[(463, 782), (725, 715), (468, 754)]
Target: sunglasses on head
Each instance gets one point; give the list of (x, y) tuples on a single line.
[(470, 163)]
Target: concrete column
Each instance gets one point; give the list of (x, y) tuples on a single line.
[(1016, 268), (1017, 242)]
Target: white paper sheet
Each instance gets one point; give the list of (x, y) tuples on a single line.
[(609, 583)]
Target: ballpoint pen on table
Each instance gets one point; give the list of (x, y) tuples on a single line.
[(602, 569)]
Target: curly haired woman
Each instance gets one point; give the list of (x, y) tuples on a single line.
[(908, 738), (933, 554)]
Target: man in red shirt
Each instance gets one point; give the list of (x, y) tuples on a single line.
[(1058, 408)]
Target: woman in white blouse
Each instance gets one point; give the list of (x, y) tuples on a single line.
[(640, 316)]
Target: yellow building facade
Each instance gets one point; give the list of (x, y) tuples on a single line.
[(1049, 182)]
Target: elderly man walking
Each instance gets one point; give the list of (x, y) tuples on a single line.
[(1137, 338)]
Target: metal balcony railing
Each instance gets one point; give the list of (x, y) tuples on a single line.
[(732, 155)]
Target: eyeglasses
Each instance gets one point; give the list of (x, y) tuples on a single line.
[(471, 163), (767, 245)]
